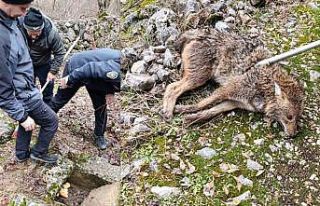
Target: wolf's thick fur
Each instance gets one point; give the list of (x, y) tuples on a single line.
[(229, 60)]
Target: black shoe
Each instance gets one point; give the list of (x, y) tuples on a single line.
[(22, 156), (46, 158), (101, 142), (22, 159)]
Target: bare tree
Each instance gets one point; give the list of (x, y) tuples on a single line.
[(110, 6), (67, 9), (114, 7), (103, 5)]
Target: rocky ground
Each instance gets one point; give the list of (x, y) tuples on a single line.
[(234, 159), (81, 167)]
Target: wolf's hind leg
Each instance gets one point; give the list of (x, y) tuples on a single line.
[(210, 113), (188, 82)]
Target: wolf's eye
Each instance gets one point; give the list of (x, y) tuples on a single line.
[(289, 117)]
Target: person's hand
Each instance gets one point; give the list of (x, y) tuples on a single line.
[(29, 124), (51, 77), (63, 82)]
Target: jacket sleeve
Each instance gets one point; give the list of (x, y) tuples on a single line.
[(8, 101), (109, 71), (58, 51)]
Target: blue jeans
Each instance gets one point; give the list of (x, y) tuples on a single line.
[(47, 119), (42, 72)]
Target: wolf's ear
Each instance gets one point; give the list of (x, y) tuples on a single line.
[(277, 89)]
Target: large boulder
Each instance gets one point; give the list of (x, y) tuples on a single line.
[(139, 82), (107, 195), (96, 172)]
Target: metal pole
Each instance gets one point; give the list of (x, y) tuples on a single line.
[(288, 54)]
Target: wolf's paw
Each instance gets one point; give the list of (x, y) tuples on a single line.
[(166, 115), (268, 121)]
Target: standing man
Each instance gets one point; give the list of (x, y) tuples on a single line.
[(99, 71), (44, 42), (19, 97)]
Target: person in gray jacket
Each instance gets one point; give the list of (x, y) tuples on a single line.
[(44, 43), (19, 97)]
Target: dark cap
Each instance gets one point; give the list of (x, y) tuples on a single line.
[(17, 1), (33, 20)]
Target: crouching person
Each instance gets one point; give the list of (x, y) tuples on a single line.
[(99, 71), (19, 97)]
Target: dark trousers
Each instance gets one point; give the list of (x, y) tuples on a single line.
[(43, 116), (42, 72), (98, 100)]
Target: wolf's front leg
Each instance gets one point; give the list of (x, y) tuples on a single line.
[(216, 97), (173, 91), (210, 113)]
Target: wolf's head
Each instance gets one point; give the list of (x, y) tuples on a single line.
[(287, 106)]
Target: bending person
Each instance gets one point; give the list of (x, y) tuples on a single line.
[(99, 71)]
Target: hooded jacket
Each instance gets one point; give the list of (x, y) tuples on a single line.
[(17, 88)]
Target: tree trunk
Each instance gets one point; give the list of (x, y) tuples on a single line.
[(102, 4), (111, 7), (114, 8)]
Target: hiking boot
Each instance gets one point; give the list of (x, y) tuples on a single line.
[(22, 156), (46, 158), (100, 142), (23, 159)]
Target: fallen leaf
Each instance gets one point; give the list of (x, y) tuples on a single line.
[(182, 165), (216, 174), (64, 193), (66, 185), (209, 189), (259, 173), (226, 189), (174, 157), (237, 200), (228, 168), (241, 180), (191, 169)]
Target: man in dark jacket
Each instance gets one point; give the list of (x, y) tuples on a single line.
[(19, 97), (44, 42), (99, 71)]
